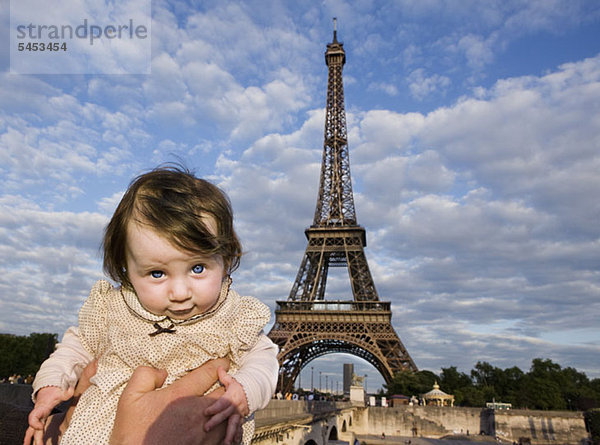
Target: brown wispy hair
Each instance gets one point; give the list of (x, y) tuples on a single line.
[(177, 206)]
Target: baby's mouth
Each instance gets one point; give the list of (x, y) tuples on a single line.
[(181, 312)]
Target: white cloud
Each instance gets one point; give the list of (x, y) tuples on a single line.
[(530, 139), (421, 85), (387, 88), (477, 50), (49, 259), (207, 80), (383, 132), (109, 204), (43, 157)]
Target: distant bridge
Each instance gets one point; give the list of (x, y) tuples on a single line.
[(327, 423), (305, 423)]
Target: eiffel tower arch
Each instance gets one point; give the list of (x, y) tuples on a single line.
[(307, 325)]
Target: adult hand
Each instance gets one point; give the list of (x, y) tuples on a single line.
[(175, 414)]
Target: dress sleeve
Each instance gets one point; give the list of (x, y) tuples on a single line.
[(64, 365), (93, 318), (258, 373)]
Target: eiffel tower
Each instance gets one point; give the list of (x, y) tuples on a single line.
[(307, 325)]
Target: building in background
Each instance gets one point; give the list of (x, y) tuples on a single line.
[(348, 373)]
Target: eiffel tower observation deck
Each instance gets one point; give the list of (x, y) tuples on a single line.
[(307, 325)]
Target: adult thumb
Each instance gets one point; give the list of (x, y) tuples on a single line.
[(198, 381), (144, 379)]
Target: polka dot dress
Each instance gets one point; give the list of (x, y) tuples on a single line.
[(115, 327)]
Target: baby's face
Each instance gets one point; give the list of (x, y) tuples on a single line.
[(169, 281)]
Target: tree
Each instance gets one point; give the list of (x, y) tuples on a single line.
[(451, 380), (24, 354), (483, 374), (410, 383), (403, 382), (509, 384), (546, 386), (540, 393), (456, 383), (543, 386), (472, 396)]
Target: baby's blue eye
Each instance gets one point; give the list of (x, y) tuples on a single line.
[(198, 268), (157, 274)]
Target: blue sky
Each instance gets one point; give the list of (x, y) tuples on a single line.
[(474, 136)]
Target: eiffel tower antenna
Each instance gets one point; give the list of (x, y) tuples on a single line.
[(307, 325), (335, 29)]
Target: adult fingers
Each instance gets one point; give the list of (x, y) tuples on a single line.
[(239, 434), (233, 425), (224, 378), (135, 412), (144, 379), (220, 405), (220, 416), (198, 381)]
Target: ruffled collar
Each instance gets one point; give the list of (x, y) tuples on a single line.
[(135, 307)]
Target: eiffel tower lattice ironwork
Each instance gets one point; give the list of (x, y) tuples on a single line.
[(307, 325)]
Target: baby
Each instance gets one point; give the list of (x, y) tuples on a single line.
[(171, 246)]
